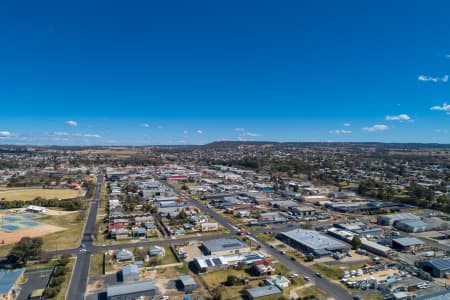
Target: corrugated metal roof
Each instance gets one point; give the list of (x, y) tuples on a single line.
[(408, 241), (264, 291), (314, 240), (129, 288), (441, 263), (223, 244)]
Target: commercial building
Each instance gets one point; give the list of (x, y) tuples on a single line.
[(439, 267), (218, 262), (411, 225), (442, 295), (225, 247), (310, 241), (127, 291), (389, 220), (407, 244)]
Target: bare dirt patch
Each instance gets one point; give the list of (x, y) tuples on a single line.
[(41, 230)]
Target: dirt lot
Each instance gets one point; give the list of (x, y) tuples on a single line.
[(41, 230), (192, 251), (381, 275), (356, 258)]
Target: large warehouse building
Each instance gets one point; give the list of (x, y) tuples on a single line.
[(439, 267), (310, 241)]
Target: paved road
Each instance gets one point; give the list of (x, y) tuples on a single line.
[(80, 273), (323, 284)]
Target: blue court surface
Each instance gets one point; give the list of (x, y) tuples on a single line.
[(10, 223), (9, 227)]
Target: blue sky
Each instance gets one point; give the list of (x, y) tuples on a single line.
[(192, 72)]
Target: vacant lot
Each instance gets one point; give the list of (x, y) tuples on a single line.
[(9, 194)]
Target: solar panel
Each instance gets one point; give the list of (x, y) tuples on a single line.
[(208, 262), (217, 261)]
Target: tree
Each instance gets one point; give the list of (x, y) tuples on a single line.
[(356, 242), (27, 248), (231, 280), (64, 260)]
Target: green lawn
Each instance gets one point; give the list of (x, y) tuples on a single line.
[(97, 262), (169, 258)]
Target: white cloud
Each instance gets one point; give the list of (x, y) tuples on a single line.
[(239, 129), (441, 130), (4, 134), (72, 123), (444, 107), (59, 133), (145, 125), (377, 127), (199, 131), (433, 79), (95, 136), (347, 124), (252, 134), (339, 131), (401, 117), (185, 132)]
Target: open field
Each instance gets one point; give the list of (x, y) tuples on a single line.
[(9, 194), (58, 232), (69, 238), (97, 262)]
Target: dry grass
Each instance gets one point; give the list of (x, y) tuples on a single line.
[(10, 194), (69, 238)]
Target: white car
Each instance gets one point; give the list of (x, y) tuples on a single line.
[(293, 275)]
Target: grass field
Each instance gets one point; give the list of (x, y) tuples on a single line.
[(69, 238), (9, 194), (331, 272), (96, 267)]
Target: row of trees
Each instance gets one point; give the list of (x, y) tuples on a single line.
[(58, 277), (67, 204)]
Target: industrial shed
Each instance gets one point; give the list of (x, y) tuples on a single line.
[(439, 267), (133, 290), (187, 283), (407, 244), (225, 247), (310, 241)]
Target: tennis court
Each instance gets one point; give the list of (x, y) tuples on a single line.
[(18, 221)]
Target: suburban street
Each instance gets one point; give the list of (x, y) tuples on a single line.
[(323, 284), (80, 273), (78, 281)]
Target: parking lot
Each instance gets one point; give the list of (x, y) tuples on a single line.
[(34, 280)]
